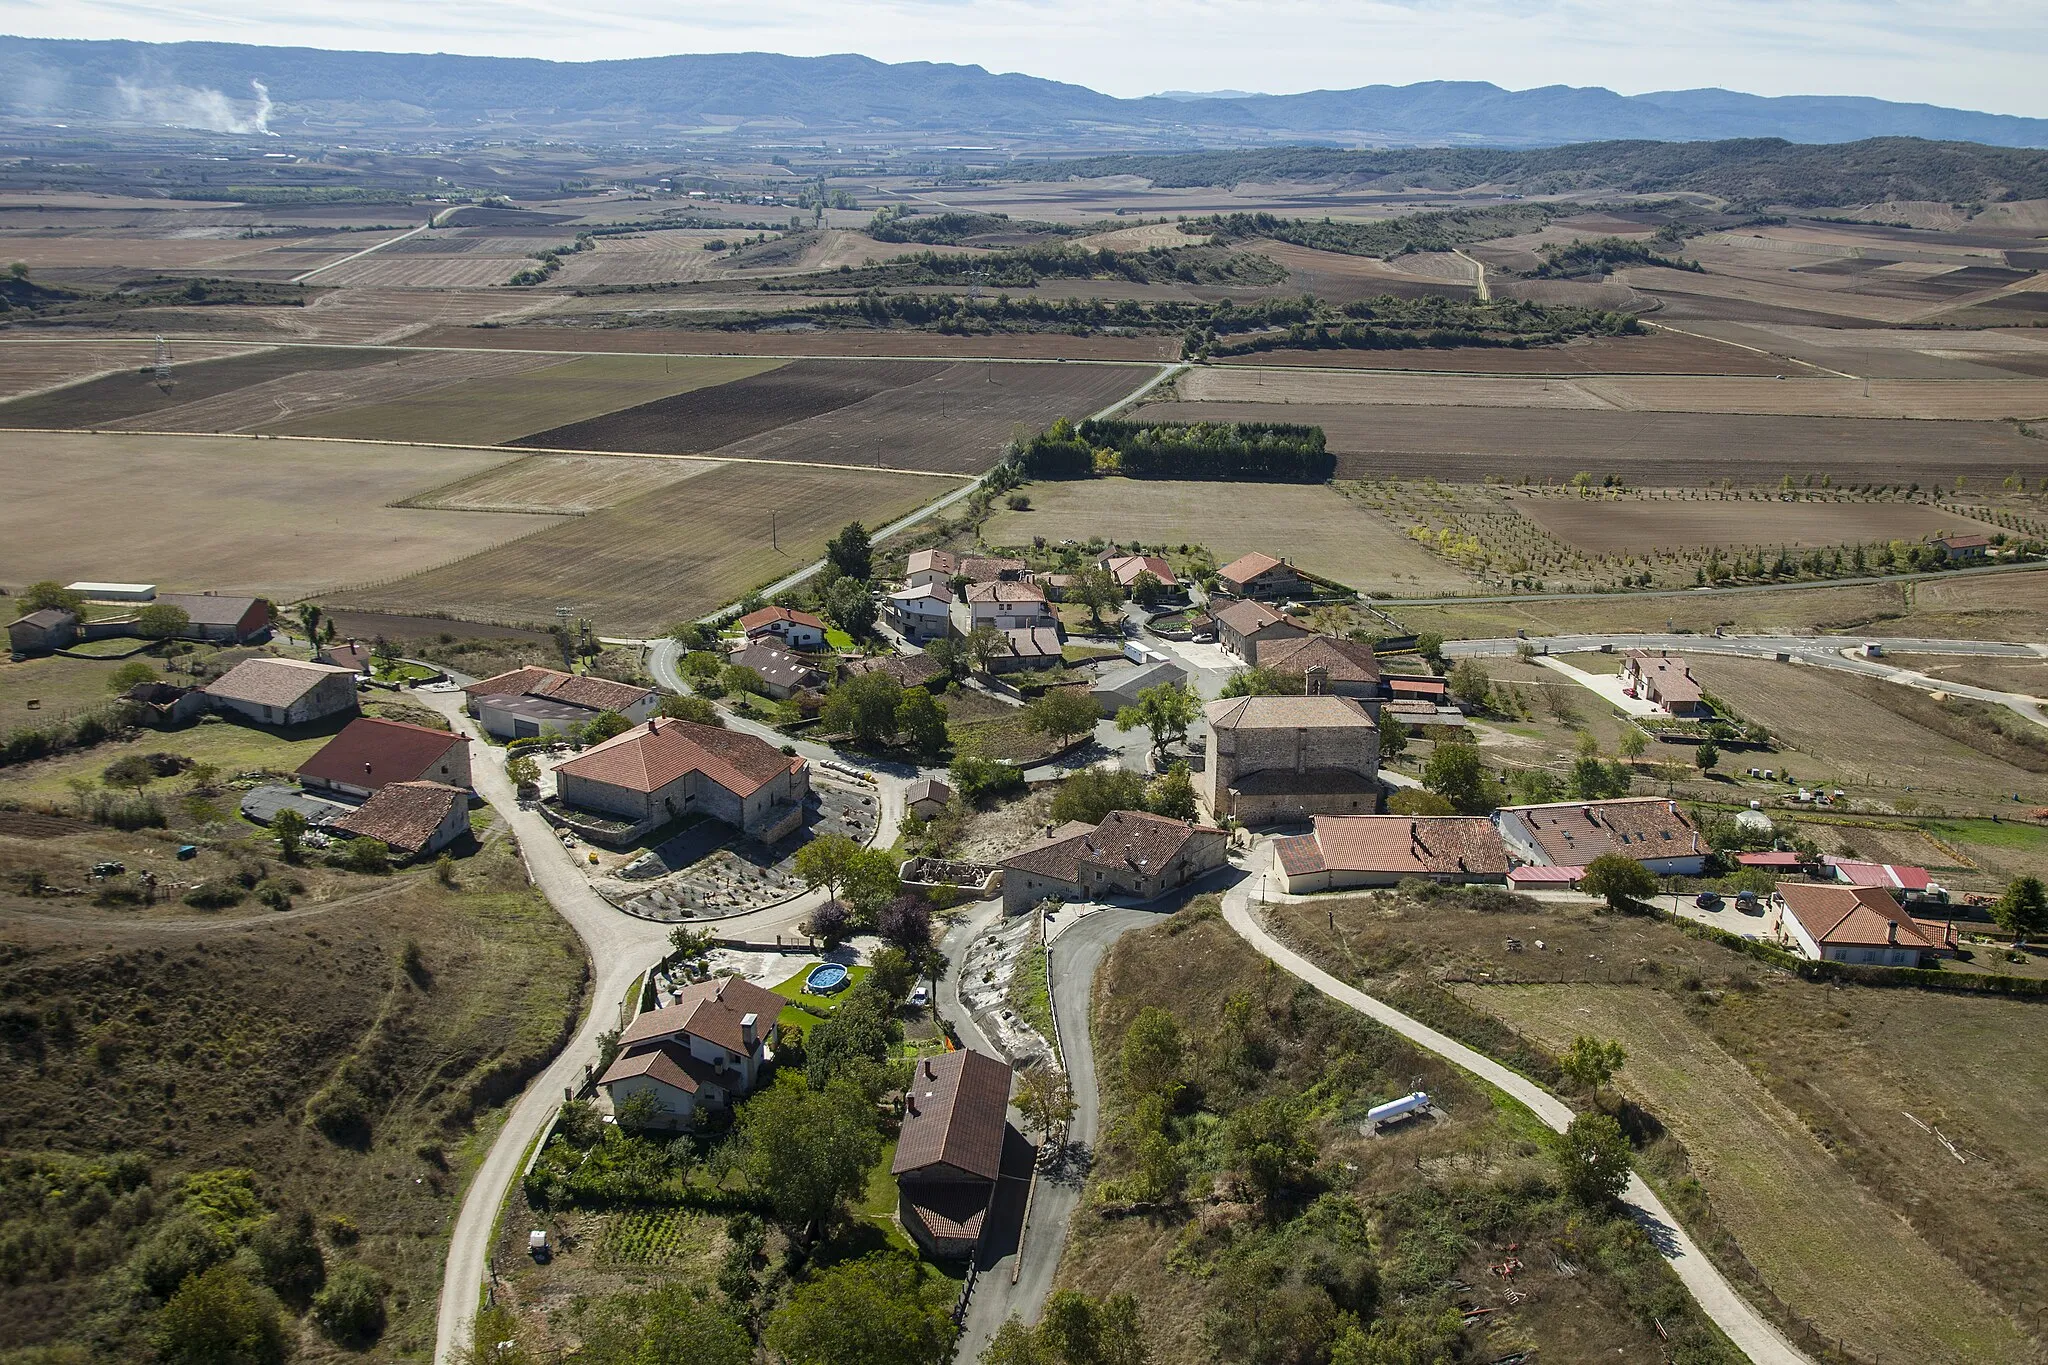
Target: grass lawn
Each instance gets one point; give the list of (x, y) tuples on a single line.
[(798, 1018), (228, 746), (116, 648), (1075, 654), (839, 639)]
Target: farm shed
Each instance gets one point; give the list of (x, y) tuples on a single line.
[(535, 701), (370, 754), (283, 691), (412, 818), (215, 617), (42, 631)]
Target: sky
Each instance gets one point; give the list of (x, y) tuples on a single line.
[(1986, 55)]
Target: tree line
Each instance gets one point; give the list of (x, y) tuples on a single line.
[(1265, 452)]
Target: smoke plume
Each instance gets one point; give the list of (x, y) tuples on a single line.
[(182, 106)]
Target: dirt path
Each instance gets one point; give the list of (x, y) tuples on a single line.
[(1717, 1298)]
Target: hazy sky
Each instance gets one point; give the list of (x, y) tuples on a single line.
[(1973, 54)]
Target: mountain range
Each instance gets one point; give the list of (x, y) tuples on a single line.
[(762, 97)]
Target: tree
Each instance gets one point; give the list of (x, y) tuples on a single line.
[(830, 923), (219, 1318), (921, 723), (1455, 773), (51, 595), (1046, 1098), (824, 861), (864, 709), (161, 621), (950, 655), (130, 675), (1633, 744), (1173, 795), (870, 881), (1165, 711), (350, 1309), (288, 1256), (601, 727), (1264, 682), (1147, 588), (1097, 590), (1471, 684), (368, 856), (986, 645), (2023, 910), (690, 948), (1618, 879), (130, 770), (879, 1310), (1266, 1142), (1064, 713), (693, 635), (906, 922), (702, 663), (1707, 755), (1092, 793), (1152, 1052), (982, 779), (1430, 646), (673, 1324), (1590, 1064), (1074, 1329), (1534, 786), (1393, 735), (309, 622), (1593, 1160), (850, 606), (289, 829), (1409, 801), (522, 771), (850, 553), (695, 710), (807, 1152), (741, 678), (1592, 780)]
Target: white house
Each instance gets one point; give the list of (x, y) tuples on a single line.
[(797, 629), (920, 613), (705, 1050), (1005, 605), (1853, 924)]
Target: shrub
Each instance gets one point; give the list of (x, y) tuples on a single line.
[(181, 1247), (351, 1308), (220, 1317), (363, 855), (214, 895), (288, 1255)]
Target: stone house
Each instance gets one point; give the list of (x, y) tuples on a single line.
[(273, 691), (1280, 760)]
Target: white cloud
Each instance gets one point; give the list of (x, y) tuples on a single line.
[(1973, 54)]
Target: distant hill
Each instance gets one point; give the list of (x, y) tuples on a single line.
[(1757, 171), (231, 88)]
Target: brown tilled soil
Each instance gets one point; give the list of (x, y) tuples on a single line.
[(1644, 448), (705, 419), (1660, 353), (805, 341), (130, 394)]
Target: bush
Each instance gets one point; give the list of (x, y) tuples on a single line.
[(219, 1318), (983, 779), (180, 1248), (367, 856), (342, 1113), (351, 1308), (288, 1255), (216, 895)]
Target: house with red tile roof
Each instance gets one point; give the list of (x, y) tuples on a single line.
[(949, 1153), (1964, 549), (1126, 568), (1244, 628), (412, 819), (1649, 829), (797, 629), (1383, 850), (534, 701), (704, 1051), (370, 754), (1860, 924), (1131, 853), (1664, 679), (667, 769), (1261, 576)]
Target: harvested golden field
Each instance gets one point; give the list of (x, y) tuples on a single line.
[(1611, 525), (70, 251), (673, 554), (395, 270), (1803, 395), (281, 518), (492, 405), (1144, 238), (29, 367), (1838, 1256), (566, 485), (294, 403), (1318, 528)]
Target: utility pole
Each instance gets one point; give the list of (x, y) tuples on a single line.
[(774, 541)]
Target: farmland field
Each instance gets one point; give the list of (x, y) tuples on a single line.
[(798, 340), (1647, 449), (1662, 352), (280, 518), (1966, 400), (570, 485), (32, 367), (131, 396), (672, 554), (497, 405), (1611, 525), (1318, 528), (1835, 1254)]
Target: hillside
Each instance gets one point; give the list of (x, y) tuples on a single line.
[(244, 89), (1751, 171)]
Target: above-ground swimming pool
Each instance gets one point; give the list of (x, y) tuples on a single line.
[(825, 978)]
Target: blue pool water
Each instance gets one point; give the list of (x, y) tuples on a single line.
[(825, 978)]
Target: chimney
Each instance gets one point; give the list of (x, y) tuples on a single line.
[(910, 1102), (1315, 680), (1891, 931), (366, 769), (930, 1074), (652, 728), (748, 1025)]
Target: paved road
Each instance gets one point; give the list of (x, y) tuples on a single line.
[(1072, 961), (1755, 1337), (1839, 652)]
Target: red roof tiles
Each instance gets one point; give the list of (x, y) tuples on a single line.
[(649, 757)]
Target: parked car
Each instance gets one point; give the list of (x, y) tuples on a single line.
[(1707, 900), (1748, 904), (921, 995)]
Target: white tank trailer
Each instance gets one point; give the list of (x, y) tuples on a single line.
[(1397, 1109)]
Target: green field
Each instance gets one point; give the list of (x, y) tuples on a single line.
[(495, 410)]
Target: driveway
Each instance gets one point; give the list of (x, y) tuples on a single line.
[(1717, 1298), (1606, 685)]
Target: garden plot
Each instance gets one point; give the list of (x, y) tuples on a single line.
[(708, 870)]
